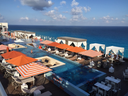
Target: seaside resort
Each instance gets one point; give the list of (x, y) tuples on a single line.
[(34, 66)]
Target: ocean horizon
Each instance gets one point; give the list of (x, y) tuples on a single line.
[(108, 35)]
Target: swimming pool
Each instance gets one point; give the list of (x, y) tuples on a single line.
[(71, 71)]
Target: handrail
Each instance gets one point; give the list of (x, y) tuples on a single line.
[(2, 91)]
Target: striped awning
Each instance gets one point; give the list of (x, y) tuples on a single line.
[(32, 69)]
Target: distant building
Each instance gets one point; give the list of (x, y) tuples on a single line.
[(26, 34), (3, 27)]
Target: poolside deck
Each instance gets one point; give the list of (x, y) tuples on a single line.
[(118, 73), (56, 91)]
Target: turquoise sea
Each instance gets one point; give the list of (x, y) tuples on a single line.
[(108, 35)]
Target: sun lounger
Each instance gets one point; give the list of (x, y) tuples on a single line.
[(68, 56), (121, 60), (47, 93), (73, 58), (79, 61)]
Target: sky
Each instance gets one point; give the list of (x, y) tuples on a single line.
[(65, 12)]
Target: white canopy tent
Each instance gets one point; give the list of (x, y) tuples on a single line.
[(70, 40), (115, 50), (59, 40), (97, 46)]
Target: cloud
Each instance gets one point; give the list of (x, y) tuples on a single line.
[(36, 20), (116, 19), (24, 18), (50, 13), (122, 21), (62, 2), (78, 18), (86, 9), (127, 15), (123, 18), (2, 18), (55, 8), (61, 16), (65, 11), (76, 11), (107, 21), (94, 18), (53, 14), (37, 4), (74, 3)]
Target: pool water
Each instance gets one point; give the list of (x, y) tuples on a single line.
[(79, 74)]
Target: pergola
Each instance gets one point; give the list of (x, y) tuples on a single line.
[(115, 50), (97, 46), (70, 40)]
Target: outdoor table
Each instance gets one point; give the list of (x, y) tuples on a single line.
[(102, 86), (31, 79), (117, 81)]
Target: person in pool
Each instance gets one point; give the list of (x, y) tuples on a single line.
[(31, 51)]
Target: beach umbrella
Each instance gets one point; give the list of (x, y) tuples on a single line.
[(32, 69), (11, 54), (21, 60)]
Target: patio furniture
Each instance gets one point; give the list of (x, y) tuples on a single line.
[(31, 90), (99, 64), (125, 76), (102, 82), (121, 60), (100, 92), (8, 73), (113, 86), (30, 79), (116, 83), (111, 69), (36, 93), (67, 56), (109, 85), (103, 87), (73, 58), (94, 89), (107, 81), (47, 93), (16, 82)]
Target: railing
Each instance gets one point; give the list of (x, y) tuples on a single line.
[(2, 91)]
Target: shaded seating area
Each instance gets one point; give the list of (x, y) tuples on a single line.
[(15, 46)]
